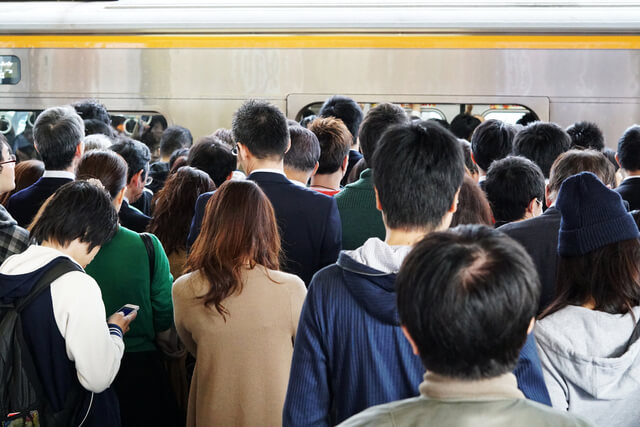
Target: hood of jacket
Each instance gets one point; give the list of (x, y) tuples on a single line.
[(6, 220), (369, 273), (590, 348)]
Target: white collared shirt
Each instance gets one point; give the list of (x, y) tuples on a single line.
[(298, 183), (58, 174), (631, 177), (269, 171)]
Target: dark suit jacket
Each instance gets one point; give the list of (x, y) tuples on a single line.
[(629, 189), (354, 157), (539, 236), (24, 204), (309, 223), (132, 218)]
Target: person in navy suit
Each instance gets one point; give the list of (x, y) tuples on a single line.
[(628, 156), (58, 134), (309, 222), (137, 156)]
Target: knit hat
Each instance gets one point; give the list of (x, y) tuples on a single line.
[(593, 216)]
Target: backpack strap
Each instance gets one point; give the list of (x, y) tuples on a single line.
[(151, 253), (63, 266)]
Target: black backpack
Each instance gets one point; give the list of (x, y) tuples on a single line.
[(22, 400)]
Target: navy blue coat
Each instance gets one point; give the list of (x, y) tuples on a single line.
[(132, 218), (24, 204), (309, 223)]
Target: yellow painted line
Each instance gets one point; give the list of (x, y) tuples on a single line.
[(384, 41)]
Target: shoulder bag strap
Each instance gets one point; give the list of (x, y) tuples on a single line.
[(151, 253)]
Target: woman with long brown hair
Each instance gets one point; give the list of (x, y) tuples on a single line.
[(236, 313), (172, 209)]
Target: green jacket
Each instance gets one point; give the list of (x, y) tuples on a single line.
[(121, 269), (360, 218)]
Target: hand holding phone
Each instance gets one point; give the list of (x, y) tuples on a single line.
[(124, 316)]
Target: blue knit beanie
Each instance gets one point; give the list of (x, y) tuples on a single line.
[(593, 216)]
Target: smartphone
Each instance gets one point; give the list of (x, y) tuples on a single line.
[(128, 308)]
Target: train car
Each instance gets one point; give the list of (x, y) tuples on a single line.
[(195, 62)]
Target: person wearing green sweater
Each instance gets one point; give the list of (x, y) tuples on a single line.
[(123, 270), (359, 215)]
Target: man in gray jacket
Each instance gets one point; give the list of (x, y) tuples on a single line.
[(467, 299)]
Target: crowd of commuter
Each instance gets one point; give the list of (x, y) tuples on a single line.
[(352, 268)]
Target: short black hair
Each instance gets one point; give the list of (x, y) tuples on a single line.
[(57, 133), (214, 157), (466, 297), (262, 128), (92, 109), (528, 118), (586, 135), (417, 170), (335, 142), (173, 138), (463, 125), (77, 210), (306, 120), (304, 151), (346, 109), (97, 127), (629, 149), (510, 185), (181, 152), (542, 143), (492, 140), (135, 153), (445, 124), (377, 120)]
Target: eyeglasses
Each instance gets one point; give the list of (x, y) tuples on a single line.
[(12, 159), (148, 180), (234, 150)]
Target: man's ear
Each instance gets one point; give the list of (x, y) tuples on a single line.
[(547, 199), (473, 159), (229, 176), (345, 163), (137, 178), (454, 205), (414, 347), (378, 204), (532, 205), (618, 160), (531, 325), (79, 149), (315, 169)]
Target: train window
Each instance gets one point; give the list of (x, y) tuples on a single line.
[(505, 113), (136, 124), (9, 70)]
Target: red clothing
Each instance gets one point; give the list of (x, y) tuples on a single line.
[(325, 191)]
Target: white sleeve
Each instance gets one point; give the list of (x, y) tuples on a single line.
[(80, 316)]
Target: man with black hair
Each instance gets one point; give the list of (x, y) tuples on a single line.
[(515, 189), (586, 135), (92, 109), (492, 140), (211, 155), (542, 143), (309, 221), (335, 140), (346, 109), (360, 218), (468, 347), (301, 161), (349, 352), (173, 138), (58, 134), (628, 156), (463, 125), (527, 119), (539, 235), (137, 156)]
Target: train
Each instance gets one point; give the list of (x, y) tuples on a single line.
[(195, 62)]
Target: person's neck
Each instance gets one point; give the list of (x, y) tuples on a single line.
[(296, 175), (632, 173), (165, 159), (409, 237), (128, 193), (255, 164), (329, 181)]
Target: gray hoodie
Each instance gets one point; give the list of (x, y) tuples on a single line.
[(587, 367)]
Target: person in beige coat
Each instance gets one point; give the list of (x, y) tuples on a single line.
[(236, 313)]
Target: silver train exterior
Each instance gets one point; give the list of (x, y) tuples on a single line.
[(195, 62)]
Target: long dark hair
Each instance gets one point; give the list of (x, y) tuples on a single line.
[(239, 230), (174, 205), (609, 277)]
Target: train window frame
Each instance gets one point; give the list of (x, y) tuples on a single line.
[(7, 61)]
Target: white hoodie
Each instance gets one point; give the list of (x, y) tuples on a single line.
[(587, 367)]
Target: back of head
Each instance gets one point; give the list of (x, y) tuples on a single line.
[(239, 228), (511, 185), (335, 142), (445, 124), (135, 153), (306, 121), (473, 206), (174, 138), (262, 128), (575, 161), (417, 170), (346, 109), (471, 166), (304, 151), (212, 156), (224, 135), (528, 118), (467, 297), (586, 135), (57, 133), (629, 149), (541, 143), (97, 127), (492, 140), (107, 167), (463, 125), (377, 120), (183, 152), (611, 156), (78, 210), (97, 142), (92, 109), (599, 250)]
